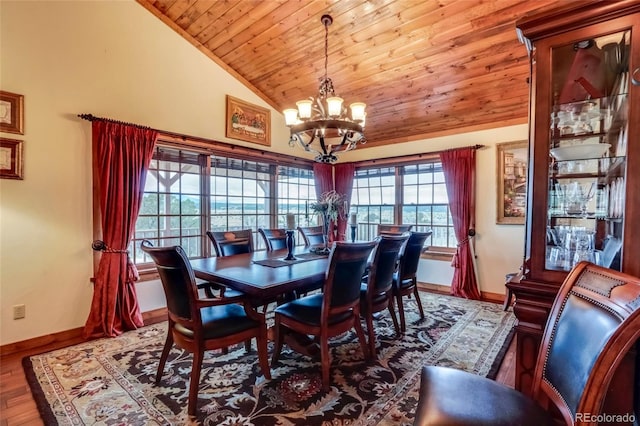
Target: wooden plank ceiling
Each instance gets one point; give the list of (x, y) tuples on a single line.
[(425, 68)]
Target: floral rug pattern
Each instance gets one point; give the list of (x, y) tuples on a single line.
[(110, 381)]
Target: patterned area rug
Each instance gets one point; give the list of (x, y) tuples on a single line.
[(110, 381)]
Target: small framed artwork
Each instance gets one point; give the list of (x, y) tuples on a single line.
[(512, 182), (10, 159), (11, 113), (248, 122)]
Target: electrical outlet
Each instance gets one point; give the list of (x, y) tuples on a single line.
[(19, 311)]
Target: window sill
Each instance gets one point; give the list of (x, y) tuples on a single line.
[(438, 253), (148, 274)]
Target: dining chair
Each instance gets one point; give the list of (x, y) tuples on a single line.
[(376, 293), (393, 229), (405, 282), (312, 235), (593, 324), (228, 243), (334, 311), (201, 324), (274, 239)]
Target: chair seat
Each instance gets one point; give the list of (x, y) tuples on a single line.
[(454, 397), (307, 310), (221, 321)]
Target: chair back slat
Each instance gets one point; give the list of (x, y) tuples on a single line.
[(228, 243), (393, 229), (312, 235), (274, 239)]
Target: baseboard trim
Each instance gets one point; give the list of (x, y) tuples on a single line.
[(445, 289), (66, 338)]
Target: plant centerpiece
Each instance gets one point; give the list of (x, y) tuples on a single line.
[(330, 206)]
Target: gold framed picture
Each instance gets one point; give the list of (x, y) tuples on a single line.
[(10, 158), (512, 182), (11, 113), (247, 122)]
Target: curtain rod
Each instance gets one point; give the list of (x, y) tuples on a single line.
[(91, 117), (405, 159)]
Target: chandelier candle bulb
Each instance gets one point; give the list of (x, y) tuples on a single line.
[(357, 111), (334, 106), (304, 109), (291, 221), (290, 116)]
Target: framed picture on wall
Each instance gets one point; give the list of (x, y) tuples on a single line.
[(512, 182), (10, 159), (11, 113), (247, 122)]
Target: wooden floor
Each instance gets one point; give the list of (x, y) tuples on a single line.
[(17, 406)]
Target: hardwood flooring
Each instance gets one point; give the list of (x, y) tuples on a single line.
[(17, 407)]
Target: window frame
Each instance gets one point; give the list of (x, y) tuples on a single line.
[(431, 252), (206, 150)]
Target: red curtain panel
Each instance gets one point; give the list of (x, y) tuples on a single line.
[(459, 167), (323, 174), (121, 159), (344, 175)]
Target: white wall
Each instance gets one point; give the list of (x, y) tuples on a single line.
[(115, 59)]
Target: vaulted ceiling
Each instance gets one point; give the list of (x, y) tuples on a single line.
[(425, 68)]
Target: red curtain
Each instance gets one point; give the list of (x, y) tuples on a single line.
[(459, 167), (121, 159), (323, 174), (345, 174)]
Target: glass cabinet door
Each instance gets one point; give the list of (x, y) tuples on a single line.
[(588, 140)]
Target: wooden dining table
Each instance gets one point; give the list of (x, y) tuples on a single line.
[(246, 273)]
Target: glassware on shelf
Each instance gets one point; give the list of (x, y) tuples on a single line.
[(582, 196)]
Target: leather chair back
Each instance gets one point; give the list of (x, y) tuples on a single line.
[(347, 264), (593, 323), (410, 255), (178, 281), (274, 239), (228, 243), (385, 262), (312, 235)]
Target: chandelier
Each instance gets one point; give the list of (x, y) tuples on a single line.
[(321, 124)]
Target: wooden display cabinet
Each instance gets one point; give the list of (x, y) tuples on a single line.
[(583, 199)]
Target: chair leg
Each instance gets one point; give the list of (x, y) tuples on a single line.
[(403, 324), (263, 357), (361, 338), (194, 382), (163, 357), (392, 311), (372, 338), (278, 340), (415, 292), (325, 361)]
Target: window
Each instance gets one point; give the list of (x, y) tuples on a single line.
[(405, 194), (425, 203), (373, 199), (296, 191), (188, 193)]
